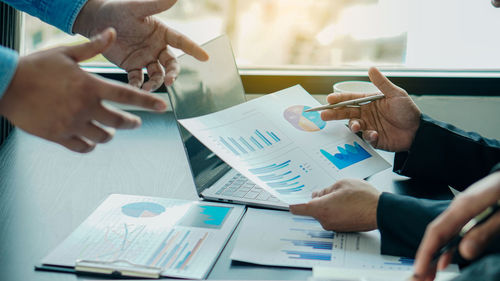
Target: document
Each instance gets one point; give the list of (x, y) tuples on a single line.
[(279, 238), (183, 238), (287, 151), (346, 274)]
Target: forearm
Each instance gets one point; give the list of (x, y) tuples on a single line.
[(59, 13), (402, 221), (83, 23), (443, 153), (8, 65)]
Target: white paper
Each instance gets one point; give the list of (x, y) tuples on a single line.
[(286, 151), (184, 238), (346, 274), (279, 238)]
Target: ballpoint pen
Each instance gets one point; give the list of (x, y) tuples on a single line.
[(477, 220), (453, 243), (354, 102)]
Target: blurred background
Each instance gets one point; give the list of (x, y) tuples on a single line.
[(330, 34)]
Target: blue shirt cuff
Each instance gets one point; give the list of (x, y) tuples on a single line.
[(8, 65), (62, 13)]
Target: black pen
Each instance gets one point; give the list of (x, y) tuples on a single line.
[(477, 220)]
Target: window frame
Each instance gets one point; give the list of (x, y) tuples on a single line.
[(319, 82)]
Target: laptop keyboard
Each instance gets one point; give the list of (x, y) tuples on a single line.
[(241, 187)]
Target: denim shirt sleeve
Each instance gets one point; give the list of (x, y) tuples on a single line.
[(8, 65), (59, 13)]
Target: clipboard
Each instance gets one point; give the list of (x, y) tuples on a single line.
[(147, 237), (113, 269)]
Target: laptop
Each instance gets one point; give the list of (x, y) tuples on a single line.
[(206, 87)]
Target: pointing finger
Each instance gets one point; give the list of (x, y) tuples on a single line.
[(180, 41), (126, 94)]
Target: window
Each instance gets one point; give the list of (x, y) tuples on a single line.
[(326, 34)]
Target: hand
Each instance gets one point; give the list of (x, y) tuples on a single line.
[(389, 123), (142, 40), (50, 96), (348, 205), (464, 207)]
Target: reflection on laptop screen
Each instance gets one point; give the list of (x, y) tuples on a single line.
[(202, 88)]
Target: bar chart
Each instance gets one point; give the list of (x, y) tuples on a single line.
[(178, 249), (259, 140), (288, 240), (343, 156), (280, 177)]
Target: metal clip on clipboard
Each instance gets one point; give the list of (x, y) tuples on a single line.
[(117, 268)]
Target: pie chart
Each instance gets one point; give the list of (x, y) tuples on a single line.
[(143, 209), (304, 121)]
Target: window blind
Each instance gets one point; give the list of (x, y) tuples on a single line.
[(8, 38)]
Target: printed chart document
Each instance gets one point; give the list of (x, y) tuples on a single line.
[(279, 238), (287, 151), (346, 274), (183, 238)]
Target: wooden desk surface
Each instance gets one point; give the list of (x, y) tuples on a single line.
[(46, 191)]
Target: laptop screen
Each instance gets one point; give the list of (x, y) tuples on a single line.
[(202, 88)]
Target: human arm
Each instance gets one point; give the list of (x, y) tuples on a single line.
[(143, 41), (464, 207), (443, 153), (354, 205), (426, 148), (69, 110)]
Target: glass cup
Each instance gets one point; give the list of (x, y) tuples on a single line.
[(356, 87)]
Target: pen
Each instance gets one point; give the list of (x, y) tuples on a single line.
[(355, 102), (479, 219)]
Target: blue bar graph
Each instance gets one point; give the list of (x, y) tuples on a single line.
[(273, 136), (317, 245), (243, 141), (256, 143), (284, 183), (308, 255), (239, 145), (233, 141), (276, 176), (269, 168), (230, 147), (263, 138), (315, 233), (347, 156), (272, 177), (402, 261), (290, 190)]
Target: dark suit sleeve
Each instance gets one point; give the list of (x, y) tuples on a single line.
[(443, 153), (402, 221)]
